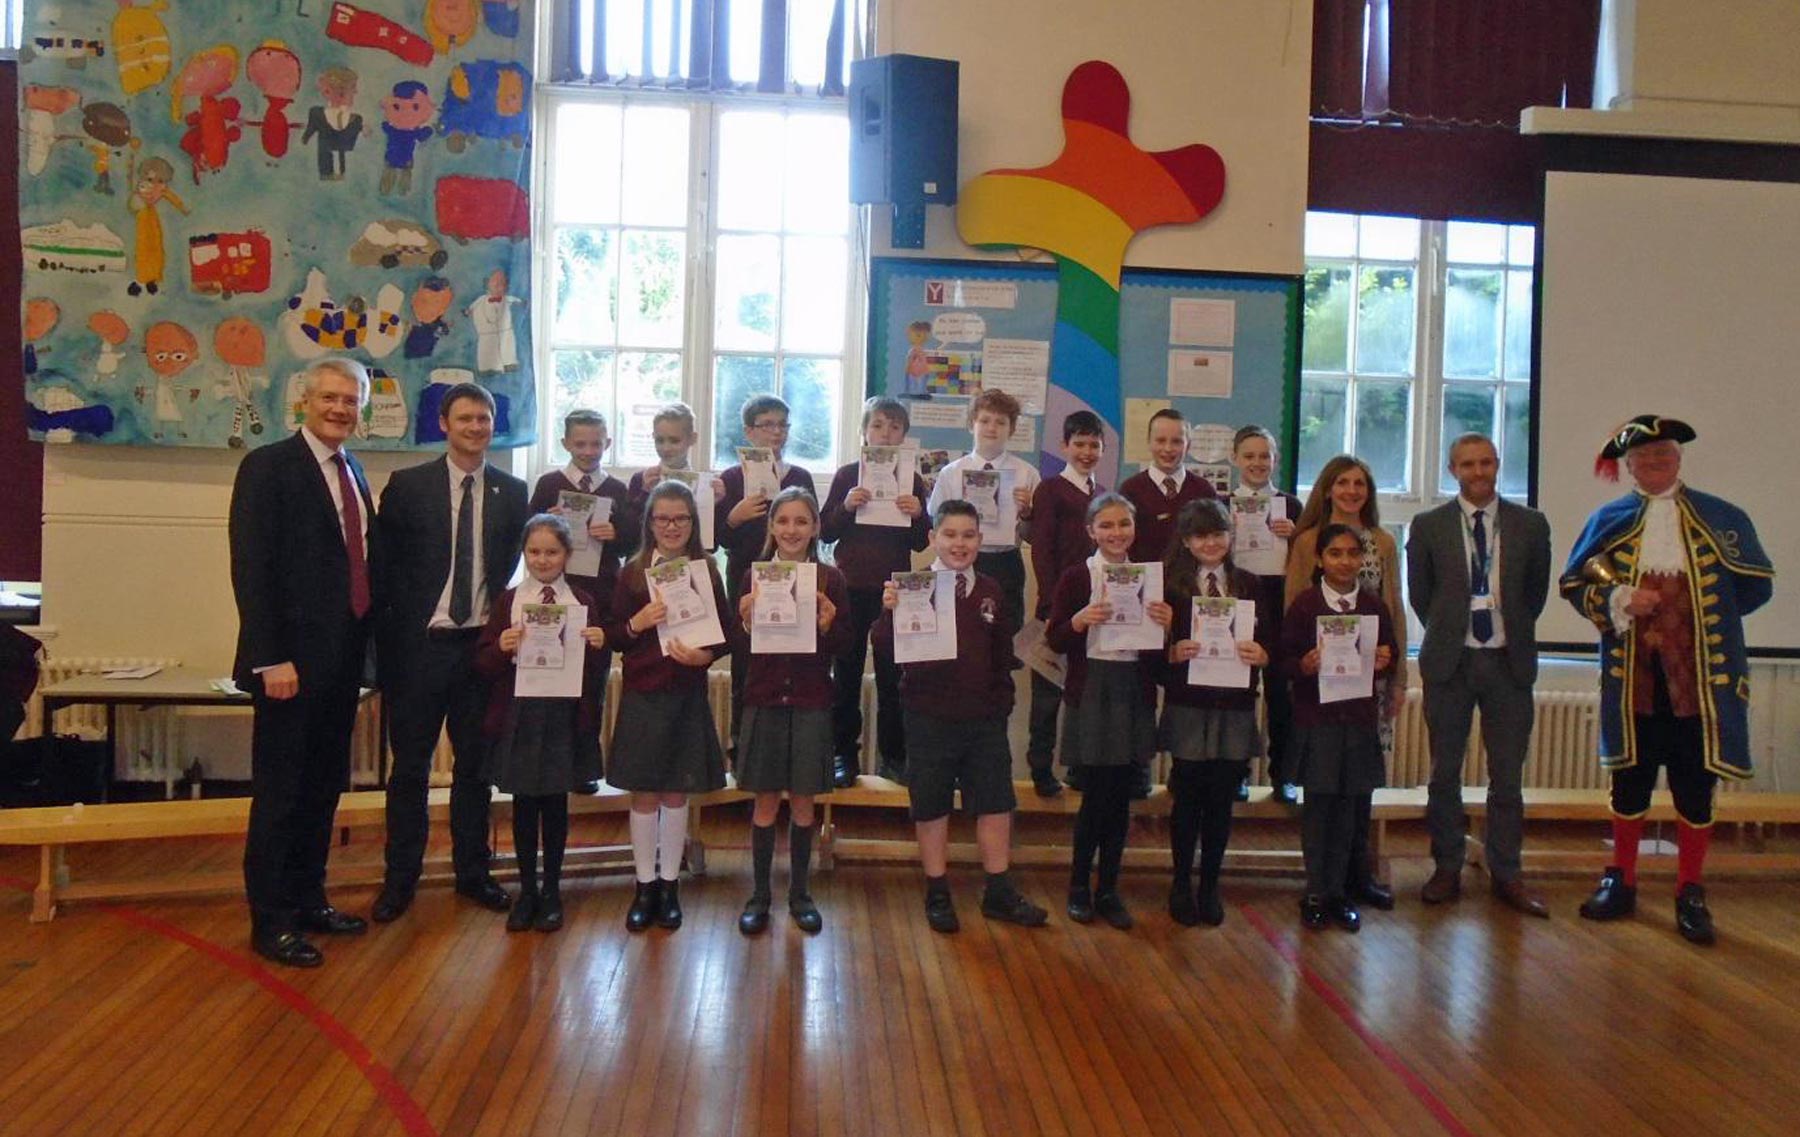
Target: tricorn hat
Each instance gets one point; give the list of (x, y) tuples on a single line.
[(1637, 432)]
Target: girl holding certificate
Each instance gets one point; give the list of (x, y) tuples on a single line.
[(784, 742), (541, 749), (665, 746), (1209, 731), (1109, 720), (1337, 744)]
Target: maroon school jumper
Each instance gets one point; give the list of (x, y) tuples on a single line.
[(498, 665), (978, 683), (1157, 511), (1177, 691), (544, 498), (1299, 635), (1058, 534), (869, 554), (1073, 590), (743, 544), (646, 668), (790, 680)]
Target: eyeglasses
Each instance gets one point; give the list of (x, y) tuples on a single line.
[(766, 424), (671, 522)]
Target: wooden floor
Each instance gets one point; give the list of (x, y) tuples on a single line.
[(156, 1019)]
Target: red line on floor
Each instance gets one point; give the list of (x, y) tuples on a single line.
[(1340, 1006), (387, 1087)]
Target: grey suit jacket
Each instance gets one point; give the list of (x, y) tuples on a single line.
[(1437, 580)]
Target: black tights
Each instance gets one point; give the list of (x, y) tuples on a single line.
[(552, 811), (1102, 823), (1200, 817)]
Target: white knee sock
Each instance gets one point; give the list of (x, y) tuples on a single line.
[(671, 840), (643, 845)]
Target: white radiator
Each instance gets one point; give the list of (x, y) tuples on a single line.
[(1563, 754)]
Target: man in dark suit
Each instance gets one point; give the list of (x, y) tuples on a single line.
[(335, 125), (303, 559), (1478, 574), (450, 531)]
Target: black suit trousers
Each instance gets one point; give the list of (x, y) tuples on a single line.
[(435, 686)]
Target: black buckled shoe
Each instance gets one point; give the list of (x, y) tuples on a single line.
[(805, 913), (328, 921), (644, 905), (668, 914), (1345, 916), (485, 891), (1008, 905), (1613, 900), (524, 911), (940, 912), (549, 912), (1081, 905), (1044, 783), (1109, 907), (1692, 919), (289, 949), (1211, 911), (1373, 893), (1313, 912), (1182, 907), (754, 920), (844, 771), (391, 905)]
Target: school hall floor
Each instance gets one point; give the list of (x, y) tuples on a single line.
[(155, 1018)]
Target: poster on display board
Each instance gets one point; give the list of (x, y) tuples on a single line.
[(214, 195), (1222, 348)]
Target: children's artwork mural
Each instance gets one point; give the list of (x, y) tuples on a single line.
[(339, 179)]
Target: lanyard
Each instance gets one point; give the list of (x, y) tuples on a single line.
[(1481, 561)]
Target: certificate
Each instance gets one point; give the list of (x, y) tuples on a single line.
[(1035, 652), (686, 589), (1254, 546), (581, 510), (548, 664), (701, 483), (759, 471), (1219, 624), (990, 492), (784, 617), (925, 617), (1346, 657), (887, 473), (1129, 588)]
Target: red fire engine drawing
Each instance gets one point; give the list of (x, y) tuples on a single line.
[(358, 28), (229, 263)]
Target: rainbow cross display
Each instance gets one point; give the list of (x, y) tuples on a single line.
[(1084, 208)]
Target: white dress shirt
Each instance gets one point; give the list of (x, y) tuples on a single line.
[(949, 485), (323, 454), (968, 574), (440, 617)]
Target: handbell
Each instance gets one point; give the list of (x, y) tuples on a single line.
[(1599, 569)]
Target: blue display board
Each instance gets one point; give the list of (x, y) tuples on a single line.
[(942, 330)]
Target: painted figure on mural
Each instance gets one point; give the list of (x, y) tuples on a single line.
[(336, 125), (242, 348), (275, 71), (113, 331), (214, 124), (406, 116), (149, 190), (497, 346), (430, 301), (171, 349), (108, 131)]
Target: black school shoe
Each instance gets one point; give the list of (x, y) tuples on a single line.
[(1183, 909), (1287, 793), (1313, 912), (1345, 915), (1044, 783), (1243, 791), (644, 906), (940, 913), (1211, 911), (1008, 905), (549, 912), (844, 771), (1614, 899), (805, 913), (1373, 893), (1109, 907), (1140, 785), (289, 949), (755, 918), (1692, 919), (524, 911), (1081, 905), (668, 914)]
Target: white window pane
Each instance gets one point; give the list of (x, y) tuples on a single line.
[(814, 294), (1324, 417), (811, 388), (735, 379), (746, 40), (1472, 324), (818, 173), (582, 379), (1325, 346), (587, 282), (746, 313), (625, 39), (585, 165), (1467, 407), (1330, 234), (652, 287), (808, 22), (1390, 238), (649, 377), (1520, 248), (1384, 431), (1518, 324), (1386, 312), (1515, 447), (656, 166), (1471, 242), (750, 161)]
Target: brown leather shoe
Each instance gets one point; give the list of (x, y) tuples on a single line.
[(1444, 886), (1514, 894)]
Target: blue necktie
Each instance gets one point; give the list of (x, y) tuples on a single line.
[(1480, 622)]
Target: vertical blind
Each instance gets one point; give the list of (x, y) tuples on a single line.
[(769, 46)]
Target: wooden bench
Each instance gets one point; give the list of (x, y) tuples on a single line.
[(54, 828)]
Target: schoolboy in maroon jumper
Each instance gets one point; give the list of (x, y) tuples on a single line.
[(1059, 539), (1159, 490), (867, 555), (673, 434), (956, 712), (1253, 453), (1336, 746)]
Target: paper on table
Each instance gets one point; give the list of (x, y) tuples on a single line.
[(784, 618), (1346, 657), (701, 483), (1128, 588), (1201, 322), (1200, 374), (1255, 547), (685, 587), (990, 492), (1034, 651), (1219, 624), (926, 598), (558, 678), (759, 471), (887, 473), (130, 672), (1021, 368)]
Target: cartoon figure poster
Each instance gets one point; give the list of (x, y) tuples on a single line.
[(214, 194)]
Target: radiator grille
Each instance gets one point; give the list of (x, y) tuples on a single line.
[(1563, 754)]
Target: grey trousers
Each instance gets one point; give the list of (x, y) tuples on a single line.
[(1481, 680)]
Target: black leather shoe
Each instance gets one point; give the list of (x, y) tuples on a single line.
[(1009, 905), (1287, 793), (1313, 912), (843, 771), (330, 922), (643, 907), (485, 892), (590, 787), (805, 913), (1074, 777), (1243, 790), (1044, 783), (1140, 785), (1211, 911), (391, 905), (668, 913), (1692, 919), (1081, 905), (289, 949), (892, 772), (1613, 900), (524, 911), (755, 918), (1110, 908), (549, 912), (1373, 893), (940, 912), (1182, 908), (1345, 916)]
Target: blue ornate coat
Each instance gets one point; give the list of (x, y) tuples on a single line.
[(1729, 576)]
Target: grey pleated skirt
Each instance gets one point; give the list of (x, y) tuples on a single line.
[(784, 749), (1209, 734), (1113, 724), (665, 742)]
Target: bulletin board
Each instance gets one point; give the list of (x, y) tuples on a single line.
[(1222, 348)]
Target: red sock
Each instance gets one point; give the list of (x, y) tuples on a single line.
[(1690, 846), (1626, 833)]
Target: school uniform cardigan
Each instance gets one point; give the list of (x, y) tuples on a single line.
[(1157, 511), (869, 554), (743, 543), (791, 680), (1299, 636), (1177, 691), (645, 667), (1073, 590), (544, 498), (498, 666), (1302, 574), (1059, 536), (978, 683)]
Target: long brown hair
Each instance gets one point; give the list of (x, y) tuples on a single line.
[(1181, 568), (1318, 503), (792, 493), (666, 491)]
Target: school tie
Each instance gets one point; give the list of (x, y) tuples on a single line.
[(1481, 623), (1212, 584), (587, 483), (962, 587), (1344, 605), (987, 465), (353, 539), (1168, 487), (462, 571), (1088, 485), (549, 595)]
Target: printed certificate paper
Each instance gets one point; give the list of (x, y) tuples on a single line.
[(1254, 546), (784, 617), (1219, 624), (581, 510), (990, 492), (887, 473), (925, 617), (759, 471), (1128, 588), (1346, 657), (550, 657), (686, 589)]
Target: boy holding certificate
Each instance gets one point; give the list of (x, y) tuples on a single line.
[(1001, 493), (956, 699)]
